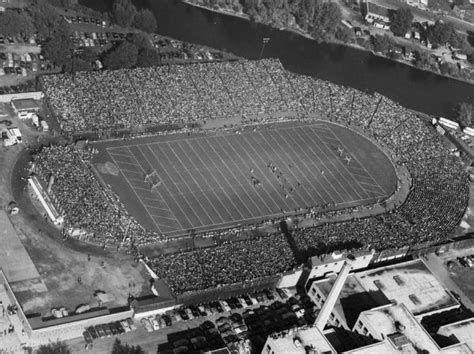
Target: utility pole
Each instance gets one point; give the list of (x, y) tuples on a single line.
[(265, 40)]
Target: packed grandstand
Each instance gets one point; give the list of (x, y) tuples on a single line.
[(253, 90)]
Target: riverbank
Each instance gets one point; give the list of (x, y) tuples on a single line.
[(300, 32)]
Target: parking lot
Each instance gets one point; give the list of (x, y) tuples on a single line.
[(243, 320)]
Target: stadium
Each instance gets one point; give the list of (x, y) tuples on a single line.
[(221, 153)]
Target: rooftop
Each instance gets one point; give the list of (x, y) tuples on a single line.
[(296, 341), (377, 9), (25, 104), (354, 298), (337, 256), (460, 332), (410, 283), (397, 319)]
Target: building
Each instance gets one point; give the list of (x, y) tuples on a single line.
[(376, 14), (410, 283), (25, 105), (458, 332), (326, 264), (396, 325), (300, 340), (421, 4)]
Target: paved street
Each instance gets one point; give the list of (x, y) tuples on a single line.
[(421, 15)]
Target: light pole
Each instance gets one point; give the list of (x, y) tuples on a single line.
[(265, 40)]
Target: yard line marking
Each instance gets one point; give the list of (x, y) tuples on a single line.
[(362, 166), (166, 185), (250, 190), (272, 190), (133, 190), (336, 161), (266, 189), (218, 170), (214, 211), (301, 168), (283, 166), (276, 159), (325, 167), (206, 180), (334, 170), (156, 190), (227, 167)]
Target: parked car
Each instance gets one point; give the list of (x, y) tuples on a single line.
[(147, 324)]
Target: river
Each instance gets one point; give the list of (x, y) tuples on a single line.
[(416, 89)]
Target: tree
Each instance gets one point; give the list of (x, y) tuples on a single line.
[(46, 19), (120, 348), (88, 55), (54, 348), (145, 21), (140, 40), (124, 12), (59, 47), (424, 60), (343, 34), (464, 113), (148, 57), (441, 33), (381, 43), (123, 56), (400, 21), (13, 23)]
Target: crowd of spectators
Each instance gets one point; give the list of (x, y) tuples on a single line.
[(435, 205), (88, 208)]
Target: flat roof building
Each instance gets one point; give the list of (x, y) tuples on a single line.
[(25, 105), (298, 340), (410, 283), (396, 325)]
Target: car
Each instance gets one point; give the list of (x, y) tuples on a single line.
[(119, 327), (161, 321), (92, 332), (184, 316), (87, 337), (18, 70), (56, 313), (222, 320), (113, 328), (225, 306), (131, 323), (64, 311), (146, 324), (107, 329), (154, 323), (206, 325), (194, 311), (224, 327), (282, 294), (176, 316), (125, 326), (100, 331), (167, 320), (253, 300), (241, 329), (189, 313), (235, 317), (202, 311), (242, 302)]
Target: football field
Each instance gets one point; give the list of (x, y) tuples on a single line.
[(203, 182)]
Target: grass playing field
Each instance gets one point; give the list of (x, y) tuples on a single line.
[(177, 183)]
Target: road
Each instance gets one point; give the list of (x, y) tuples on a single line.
[(422, 15)]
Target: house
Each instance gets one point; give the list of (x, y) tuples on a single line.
[(421, 4), (376, 14)]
